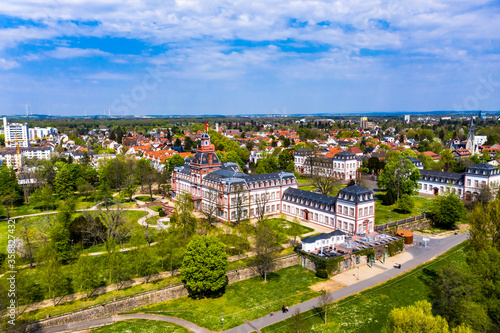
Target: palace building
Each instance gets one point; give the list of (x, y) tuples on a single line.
[(231, 195)]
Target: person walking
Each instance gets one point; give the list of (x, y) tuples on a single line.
[(283, 308), (286, 309)]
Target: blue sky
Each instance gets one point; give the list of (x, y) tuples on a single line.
[(75, 57)]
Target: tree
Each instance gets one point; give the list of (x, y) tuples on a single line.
[(142, 169), (63, 182), (485, 194), (183, 218), (188, 143), (484, 226), (324, 180), (399, 176), (169, 249), (265, 249), (298, 325), (85, 275), (323, 300), (447, 159), (204, 265), (175, 161), (87, 230), (129, 187), (415, 318), (29, 238), (10, 190), (453, 293), (211, 206), (405, 203), (86, 190), (485, 156), (261, 201), (285, 157), (117, 265), (446, 210), (177, 142), (51, 274), (240, 196), (113, 220)]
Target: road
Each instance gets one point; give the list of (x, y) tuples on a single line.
[(420, 255)]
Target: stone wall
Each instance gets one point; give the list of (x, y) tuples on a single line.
[(152, 297)]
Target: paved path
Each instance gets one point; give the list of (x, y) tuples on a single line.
[(111, 320), (420, 256)]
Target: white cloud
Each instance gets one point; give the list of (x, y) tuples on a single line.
[(108, 76), (68, 52), (8, 64)]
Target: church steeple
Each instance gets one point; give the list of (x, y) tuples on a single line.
[(470, 145)]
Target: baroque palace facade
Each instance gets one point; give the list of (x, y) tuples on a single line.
[(223, 189)]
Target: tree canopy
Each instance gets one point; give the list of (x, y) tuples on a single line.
[(204, 264)]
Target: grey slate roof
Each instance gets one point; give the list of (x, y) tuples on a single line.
[(442, 176), (312, 239), (309, 199), (355, 193)]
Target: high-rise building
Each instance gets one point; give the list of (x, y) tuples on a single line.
[(15, 134), (407, 118)]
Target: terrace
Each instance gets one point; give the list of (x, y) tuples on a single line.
[(354, 244)]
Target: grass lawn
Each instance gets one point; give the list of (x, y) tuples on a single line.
[(20, 210), (3, 236), (307, 187), (142, 325), (99, 299), (152, 220), (249, 299), (145, 198), (301, 179), (156, 208), (125, 204), (242, 263), (382, 211), (368, 310), (81, 203)]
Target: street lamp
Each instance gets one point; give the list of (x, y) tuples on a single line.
[(222, 321), (389, 217)]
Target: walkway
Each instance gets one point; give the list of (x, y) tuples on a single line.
[(111, 320), (420, 256)]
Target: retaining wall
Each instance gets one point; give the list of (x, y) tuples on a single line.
[(162, 295)]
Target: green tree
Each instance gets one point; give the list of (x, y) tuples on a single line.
[(484, 226), (86, 275), (183, 218), (117, 265), (51, 274), (204, 264), (446, 210), (399, 176), (177, 142), (10, 190), (169, 250), (265, 248), (285, 157), (405, 203), (175, 161), (86, 190), (415, 318), (485, 156), (63, 182), (453, 292)]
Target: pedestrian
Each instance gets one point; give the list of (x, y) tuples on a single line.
[(286, 309), (283, 308), (271, 314)]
